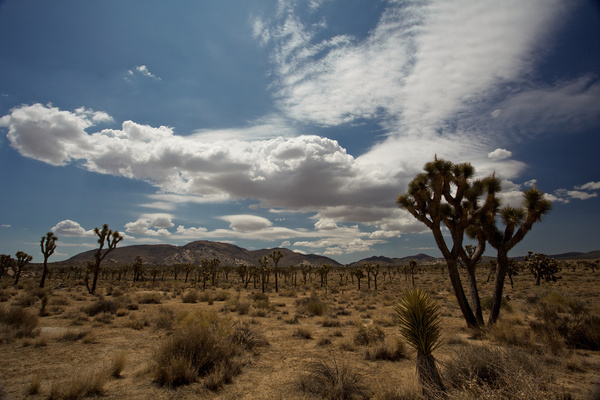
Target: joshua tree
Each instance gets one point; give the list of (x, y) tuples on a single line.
[(138, 269), (517, 223), (48, 245), (359, 274), (411, 268), (419, 320), (542, 267), (276, 255), (22, 260), (111, 239), (264, 264)]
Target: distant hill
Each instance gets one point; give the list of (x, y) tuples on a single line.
[(385, 261), (194, 252), (229, 254)]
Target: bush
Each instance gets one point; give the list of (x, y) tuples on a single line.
[(331, 380), (150, 298), (368, 335), (311, 305), (203, 344), (484, 371), (101, 306), (165, 319), (86, 384), (303, 333), (16, 322), (387, 352), (190, 297)]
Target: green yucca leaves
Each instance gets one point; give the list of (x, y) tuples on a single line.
[(419, 319)]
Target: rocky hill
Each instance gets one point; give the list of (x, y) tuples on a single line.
[(194, 252)]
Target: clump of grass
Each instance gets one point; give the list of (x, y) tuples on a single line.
[(85, 384), (34, 386), (303, 332), (202, 345), (73, 335), (25, 300), (221, 295), (248, 338), (164, 319), (190, 297), (16, 322), (479, 371), (368, 334), (311, 305), (329, 322), (236, 305), (117, 365), (329, 379), (324, 341), (388, 352), (150, 298), (101, 306)]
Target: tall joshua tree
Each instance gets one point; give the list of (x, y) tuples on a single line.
[(22, 260), (48, 245), (110, 238), (276, 255), (517, 222), (447, 195)]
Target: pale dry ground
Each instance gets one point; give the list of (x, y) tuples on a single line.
[(273, 372)]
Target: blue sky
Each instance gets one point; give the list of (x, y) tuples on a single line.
[(290, 123)]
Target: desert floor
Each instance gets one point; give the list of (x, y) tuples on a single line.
[(71, 346)]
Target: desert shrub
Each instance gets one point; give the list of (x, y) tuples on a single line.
[(303, 333), (205, 297), (368, 334), (509, 334), (386, 351), (263, 304), (164, 319), (329, 322), (117, 365), (101, 306), (486, 304), (34, 386), (259, 296), (333, 380), (324, 342), (149, 298), (190, 297), (85, 384), (495, 373), (570, 318), (25, 300), (235, 304), (73, 335), (248, 338), (311, 305), (202, 344), (221, 295), (104, 318), (16, 322), (261, 313)]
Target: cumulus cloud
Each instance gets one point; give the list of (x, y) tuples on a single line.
[(144, 225), (71, 228), (499, 154), (246, 223)]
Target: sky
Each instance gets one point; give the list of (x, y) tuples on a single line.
[(290, 124)]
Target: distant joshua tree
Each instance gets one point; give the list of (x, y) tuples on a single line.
[(276, 255), (22, 260), (6, 263), (48, 245), (110, 238), (542, 267)]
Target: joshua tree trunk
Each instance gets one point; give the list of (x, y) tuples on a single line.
[(429, 377)]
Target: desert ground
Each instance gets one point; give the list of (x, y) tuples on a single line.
[(68, 343)]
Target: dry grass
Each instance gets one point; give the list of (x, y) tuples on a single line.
[(268, 360), (330, 379)]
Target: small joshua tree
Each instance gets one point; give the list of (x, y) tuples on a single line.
[(22, 260), (419, 320), (111, 239), (542, 266), (276, 255), (48, 245)]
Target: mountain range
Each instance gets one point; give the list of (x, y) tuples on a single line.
[(229, 254)]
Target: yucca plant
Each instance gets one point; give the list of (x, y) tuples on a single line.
[(418, 317)]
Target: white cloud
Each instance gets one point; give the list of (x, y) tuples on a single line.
[(576, 194), (5, 226), (144, 225), (285, 243), (499, 154), (142, 70), (589, 186), (71, 228), (246, 223)]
